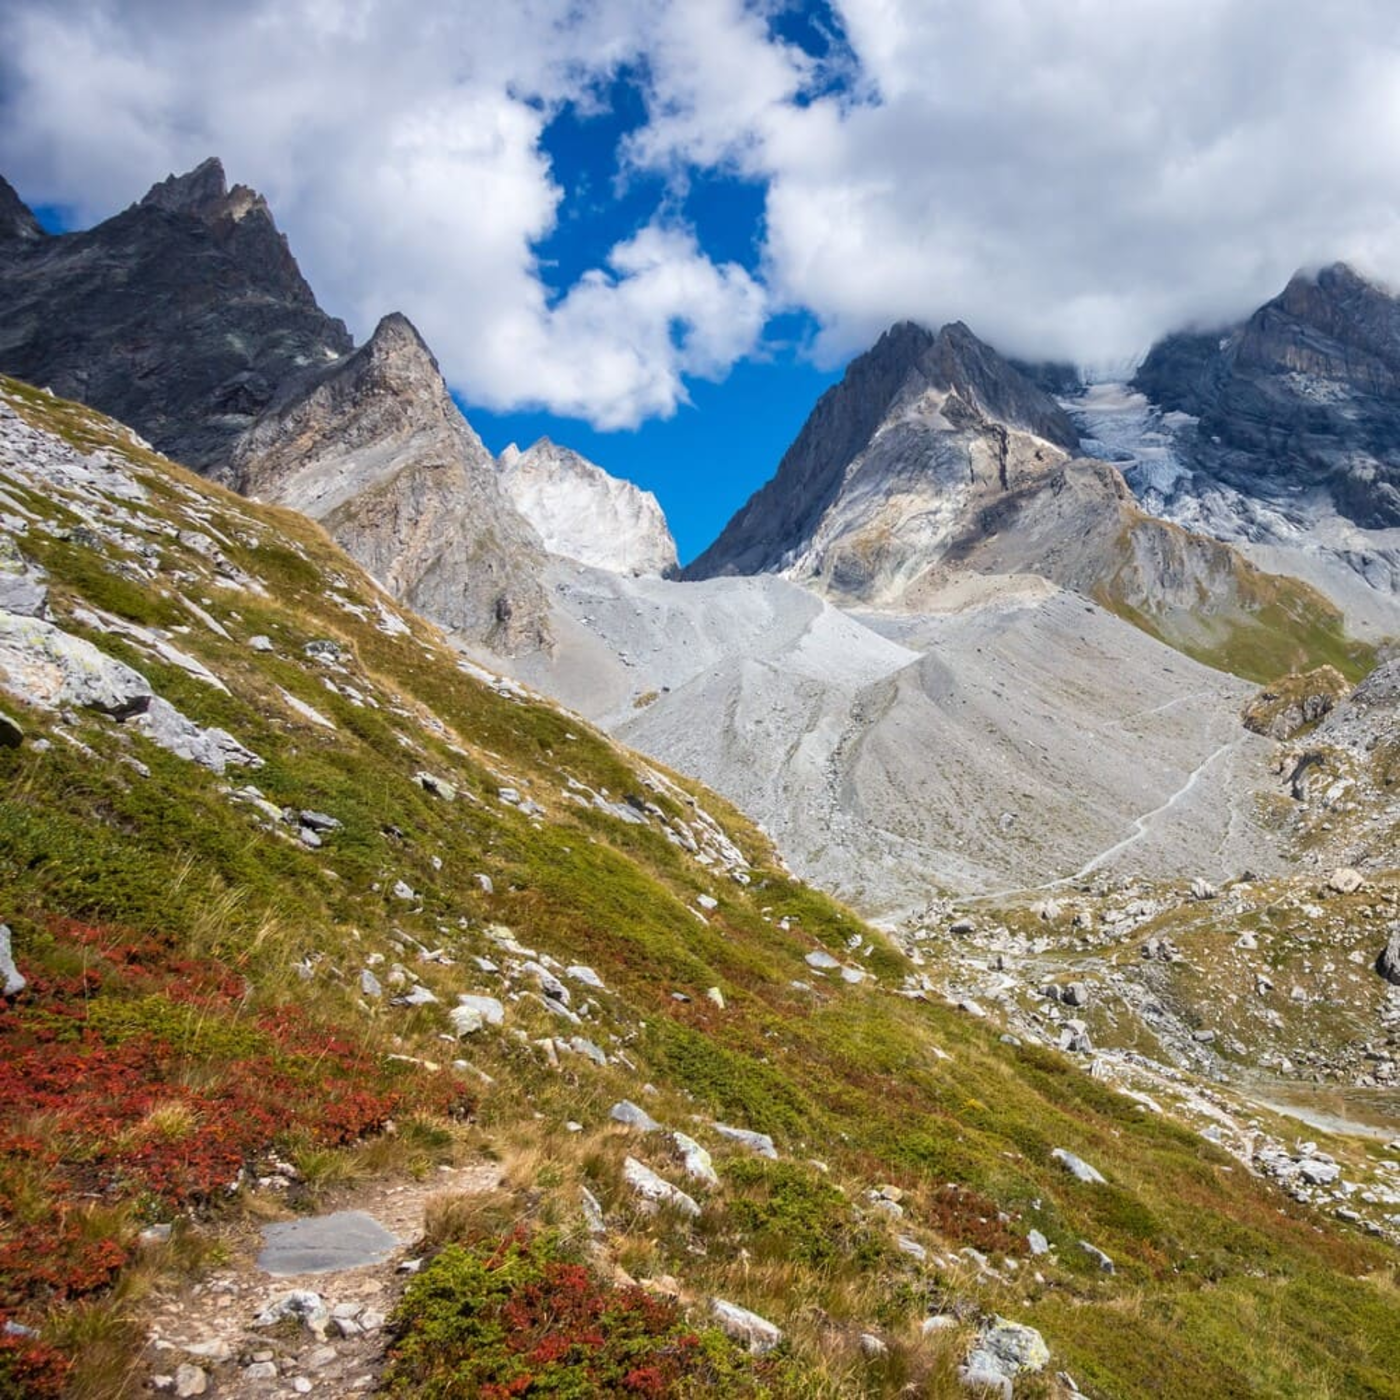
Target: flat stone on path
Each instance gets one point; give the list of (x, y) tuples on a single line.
[(346, 1239)]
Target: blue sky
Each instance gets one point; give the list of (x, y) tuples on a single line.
[(705, 460)]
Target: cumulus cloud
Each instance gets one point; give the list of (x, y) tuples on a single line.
[(1071, 177)]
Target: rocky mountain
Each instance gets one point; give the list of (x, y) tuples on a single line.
[(374, 448), (182, 315), (920, 426), (1303, 396), (583, 513), (934, 456), (187, 316), (1282, 435)]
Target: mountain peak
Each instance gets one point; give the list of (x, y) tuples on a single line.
[(198, 192), (583, 512), (17, 220), (943, 383)]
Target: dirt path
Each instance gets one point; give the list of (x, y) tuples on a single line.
[(202, 1340)]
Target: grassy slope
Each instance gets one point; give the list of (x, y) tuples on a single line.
[(1223, 1287), (1261, 627)]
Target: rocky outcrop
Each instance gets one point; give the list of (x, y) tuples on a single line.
[(1290, 704), (374, 448), (1303, 397), (888, 459), (583, 513), (182, 316)]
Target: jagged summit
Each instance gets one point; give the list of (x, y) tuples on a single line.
[(17, 220), (917, 414), (1301, 399), (199, 191), (183, 315), (584, 513), (373, 446)]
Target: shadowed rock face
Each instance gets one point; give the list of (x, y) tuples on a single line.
[(374, 448), (182, 315), (1305, 395), (953, 398)]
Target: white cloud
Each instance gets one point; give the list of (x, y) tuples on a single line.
[(1071, 177)]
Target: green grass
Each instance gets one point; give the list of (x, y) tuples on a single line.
[(1224, 1286)]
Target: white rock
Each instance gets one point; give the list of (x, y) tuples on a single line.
[(656, 1191), (748, 1328), (474, 1013), (190, 1380), (633, 1116), (1077, 1166), (695, 1159), (52, 668)]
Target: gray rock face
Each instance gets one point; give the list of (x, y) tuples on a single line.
[(180, 316), (919, 414), (52, 668), (1304, 395), (374, 448)]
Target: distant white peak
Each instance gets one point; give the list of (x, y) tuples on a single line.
[(583, 513)]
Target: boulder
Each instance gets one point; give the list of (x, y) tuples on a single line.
[(213, 748), (632, 1115), (1345, 880), (1388, 963), (655, 1191), (748, 1328), (760, 1143), (1002, 1352), (1077, 1167), (695, 1159), (474, 1013), (14, 981), (54, 669)]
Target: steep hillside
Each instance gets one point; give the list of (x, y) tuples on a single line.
[(279, 869)]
